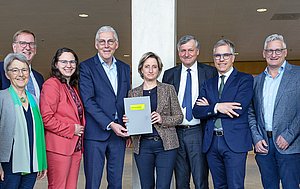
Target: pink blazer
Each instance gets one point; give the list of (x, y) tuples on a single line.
[(59, 113)]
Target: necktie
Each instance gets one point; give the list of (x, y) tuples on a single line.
[(187, 98), (30, 86), (218, 123)]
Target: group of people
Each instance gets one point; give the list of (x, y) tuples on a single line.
[(203, 117)]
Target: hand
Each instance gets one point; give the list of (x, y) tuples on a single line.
[(41, 174), (155, 118), (202, 102), (260, 147), (282, 143), (119, 129), (228, 108), (78, 130), (1, 173), (128, 142)]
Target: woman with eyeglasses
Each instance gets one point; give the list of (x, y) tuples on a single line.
[(63, 117), (156, 150), (22, 142)]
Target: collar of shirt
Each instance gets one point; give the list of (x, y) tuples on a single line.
[(227, 74), (280, 70), (193, 68), (105, 64)]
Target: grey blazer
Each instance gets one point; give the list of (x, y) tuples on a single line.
[(169, 109), (286, 117), (7, 123)]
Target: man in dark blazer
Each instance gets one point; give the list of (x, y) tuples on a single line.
[(274, 118), (24, 42), (103, 84), (190, 159), (224, 101)]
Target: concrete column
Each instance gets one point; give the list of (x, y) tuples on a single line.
[(153, 29)]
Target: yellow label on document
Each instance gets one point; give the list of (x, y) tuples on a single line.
[(137, 107)]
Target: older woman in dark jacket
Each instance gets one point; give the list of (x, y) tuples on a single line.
[(156, 150)]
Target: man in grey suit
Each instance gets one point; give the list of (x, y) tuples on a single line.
[(274, 118)]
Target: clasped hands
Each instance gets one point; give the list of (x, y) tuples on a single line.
[(223, 107)]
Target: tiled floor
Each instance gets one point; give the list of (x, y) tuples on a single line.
[(252, 175)]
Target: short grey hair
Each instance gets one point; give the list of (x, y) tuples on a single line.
[(14, 56), (186, 38), (274, 37), (106, 29), (225, 42)]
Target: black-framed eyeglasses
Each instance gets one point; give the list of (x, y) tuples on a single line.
[(23, 44), (277, 51), (110, 42), (225, 56), (65, 62), (16, 71)]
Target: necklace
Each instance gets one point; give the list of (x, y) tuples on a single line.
[(23, 100)]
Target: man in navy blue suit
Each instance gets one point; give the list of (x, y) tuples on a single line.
[(224, 101), (104, 83), (24, 42)]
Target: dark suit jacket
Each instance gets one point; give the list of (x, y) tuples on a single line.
[(5, 83), (238, 88), (60, 114), (172, 76), (99, 99), (286, 117), (169, 109)]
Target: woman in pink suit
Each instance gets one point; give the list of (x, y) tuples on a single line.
[(63, 116)]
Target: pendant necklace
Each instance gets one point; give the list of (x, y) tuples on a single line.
[(23, 100)]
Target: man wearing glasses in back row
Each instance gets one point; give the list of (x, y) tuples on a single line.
[(274, 118), (24, 42)]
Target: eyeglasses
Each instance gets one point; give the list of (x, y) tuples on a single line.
[(16, 71), (110, 42), (65, 62), (23, 44), (277, 51), (225, 56)]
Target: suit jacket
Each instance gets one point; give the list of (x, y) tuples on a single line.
[(238, 88), (7, 125), (60, 114), (169, 109), (5, 83), (172, 76), (286, 117), (99, 99)]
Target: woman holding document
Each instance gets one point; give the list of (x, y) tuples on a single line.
[(156, 150)]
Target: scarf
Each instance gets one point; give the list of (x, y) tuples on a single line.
[(21, 150)]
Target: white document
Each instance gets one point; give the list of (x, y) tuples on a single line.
[(138, 112)]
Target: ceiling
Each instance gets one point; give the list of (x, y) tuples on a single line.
[(56, 24)]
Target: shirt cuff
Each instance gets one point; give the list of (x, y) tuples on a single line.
[(108, 126), (215, 108)]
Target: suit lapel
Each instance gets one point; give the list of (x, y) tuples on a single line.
[(286, 78), (177, 76), (160, 100), (102, 73), (260, 88), (119, 77), (66, 90)]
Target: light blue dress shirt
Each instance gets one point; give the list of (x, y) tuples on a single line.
[(270, 90)]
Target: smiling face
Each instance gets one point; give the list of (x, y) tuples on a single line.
[(188, 53), (150, 69), (275, 60), (25, 44), (18, 74), (222, 64), (66, 64), (106, 44)]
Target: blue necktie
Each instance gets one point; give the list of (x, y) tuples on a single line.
[(187, 98), (30, 86)]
